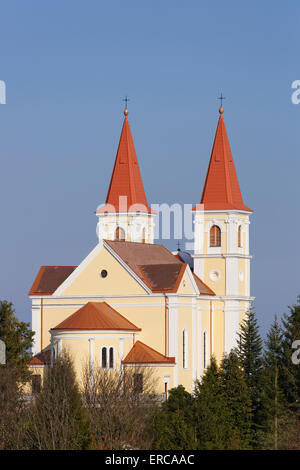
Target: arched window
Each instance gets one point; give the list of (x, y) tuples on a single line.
[(215, 236), (144, 235), (36, 381), (111, 358), (104, 358), (184, 349), (138, 383), (205, 349), (239, 236), (120, 234)]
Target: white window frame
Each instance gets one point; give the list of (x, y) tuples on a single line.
[(108, 358), (101, 352)]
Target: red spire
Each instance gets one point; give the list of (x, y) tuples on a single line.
[(221, 189), (126, 180)]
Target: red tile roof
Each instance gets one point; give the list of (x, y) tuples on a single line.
[(221, 188), (49, 278), (162, 277), (140, 353), (96, 316), (203, 288), (43, 358), (155, 265), (126, 178)]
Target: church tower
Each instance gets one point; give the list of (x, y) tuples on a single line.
[(221, 237), (126, 214)]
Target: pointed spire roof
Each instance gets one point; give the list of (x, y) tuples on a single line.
[(126, 190), (221, 189)]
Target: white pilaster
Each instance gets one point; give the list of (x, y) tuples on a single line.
[(36, 325), (199, 348), (194, 340), (232, 276), (59, 347), (173, 334), (231, 311), (121, 352)]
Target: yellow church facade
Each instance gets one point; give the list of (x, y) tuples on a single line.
[(131, 302)]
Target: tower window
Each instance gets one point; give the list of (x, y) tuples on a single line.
[(120, 234), (144, 235), (239, 236), (215, 236)]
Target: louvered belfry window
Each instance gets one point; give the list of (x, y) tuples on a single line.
[(119, 234), (239, 236), (215, 236)]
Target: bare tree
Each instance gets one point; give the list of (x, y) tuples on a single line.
[(121, 406), (58, 420)]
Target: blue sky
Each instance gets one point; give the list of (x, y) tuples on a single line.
[(68, 64)]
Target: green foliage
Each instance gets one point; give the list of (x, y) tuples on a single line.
[(18, 339), (291, 372), (275, 417), (238, 400), (250, 355), (174, 424), (214, 420)]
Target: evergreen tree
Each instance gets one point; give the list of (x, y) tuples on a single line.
[(238, 400), (214, 420), (59, 420), (291, 370), (12, 410), (276, 419), (174, 424), (250, 354), (18, 339)]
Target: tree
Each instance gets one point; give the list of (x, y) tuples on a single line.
[(174, 425), (214, 420), (18, 339), (58, 420), (250, 354), (276, 419), (238, 400), (12, 422), (291, 371), (121, 406)]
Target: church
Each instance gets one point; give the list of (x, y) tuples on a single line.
[(133, 303)]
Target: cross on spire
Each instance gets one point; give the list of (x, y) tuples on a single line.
[(126, 99), (222, 98)]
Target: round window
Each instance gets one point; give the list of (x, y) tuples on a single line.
[(103, 273), (214, 275)]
